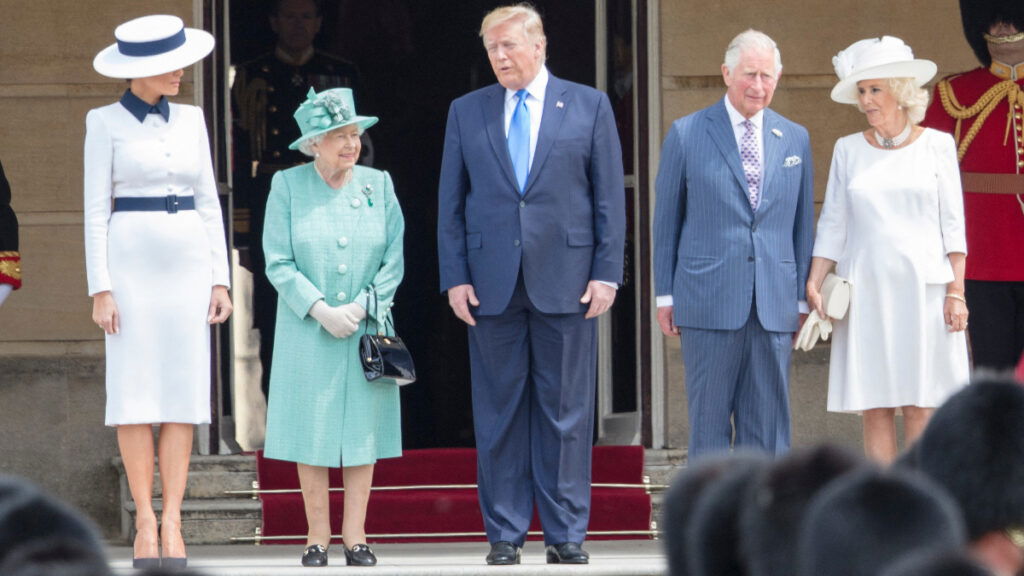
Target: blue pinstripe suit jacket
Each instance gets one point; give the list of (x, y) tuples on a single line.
[(712, 252)]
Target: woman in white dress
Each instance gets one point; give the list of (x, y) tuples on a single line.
[(157, 265), (893, 224)]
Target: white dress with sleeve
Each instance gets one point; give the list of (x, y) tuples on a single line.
[(889, 220), (159, 267)]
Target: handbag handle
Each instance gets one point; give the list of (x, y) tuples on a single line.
[(371, 291)]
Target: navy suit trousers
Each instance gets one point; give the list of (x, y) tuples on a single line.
[(534, 378)]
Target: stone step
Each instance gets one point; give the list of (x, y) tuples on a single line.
[(206, 521), (209, 477)]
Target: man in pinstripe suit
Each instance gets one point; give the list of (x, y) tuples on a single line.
[(733, 231)]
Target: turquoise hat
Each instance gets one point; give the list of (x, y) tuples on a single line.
[(323, 112)]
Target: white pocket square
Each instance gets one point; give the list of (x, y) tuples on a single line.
[(792, 161)]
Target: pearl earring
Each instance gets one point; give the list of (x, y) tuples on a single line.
[(317, 155)]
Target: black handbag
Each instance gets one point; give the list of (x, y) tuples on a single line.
[(384, 358)]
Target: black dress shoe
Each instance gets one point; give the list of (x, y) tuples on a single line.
[(315, 555), (360, 555), (567, 553), (504, 554)]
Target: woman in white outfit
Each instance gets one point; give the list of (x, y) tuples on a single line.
[(893, 224), (157, 265)]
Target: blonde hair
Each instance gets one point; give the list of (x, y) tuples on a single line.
[(910, 97), (533, 28)]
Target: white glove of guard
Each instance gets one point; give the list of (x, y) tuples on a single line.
[(339, 321), (814, 328)]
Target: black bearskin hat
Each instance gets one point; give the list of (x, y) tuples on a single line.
[(866, 520), (33, 520), (974, 447), (681, 500), (770, 520), (979, 15), (713, 536)]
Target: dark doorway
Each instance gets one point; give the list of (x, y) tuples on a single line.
[(415, 57)]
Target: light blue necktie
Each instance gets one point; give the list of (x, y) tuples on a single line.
[(519, 140)]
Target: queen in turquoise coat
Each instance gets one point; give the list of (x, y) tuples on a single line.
[(333, 241)]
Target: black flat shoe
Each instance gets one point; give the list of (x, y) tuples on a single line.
[(504, 554), (174, 563), (315, 555), (360, 555), (145, 563), (567, 553)]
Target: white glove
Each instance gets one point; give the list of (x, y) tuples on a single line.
[(5, 291), (339, 321), (814, 328)]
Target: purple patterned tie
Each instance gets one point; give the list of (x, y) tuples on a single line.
[(751, 164)]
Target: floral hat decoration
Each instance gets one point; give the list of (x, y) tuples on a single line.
[(875, 58), (326, 111)]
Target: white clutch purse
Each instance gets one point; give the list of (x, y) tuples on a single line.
[(835, 299)]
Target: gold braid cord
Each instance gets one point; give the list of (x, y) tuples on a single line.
[(10, 268), (981, 109)]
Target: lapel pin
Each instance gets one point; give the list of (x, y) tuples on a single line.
[(777, 132), (559, 104)]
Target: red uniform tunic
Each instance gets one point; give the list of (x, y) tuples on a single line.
[(975, 107)]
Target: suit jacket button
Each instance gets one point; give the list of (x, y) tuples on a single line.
[(750, 258), (522, 203), (515, 242)]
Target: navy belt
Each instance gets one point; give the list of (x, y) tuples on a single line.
[(169, 204)]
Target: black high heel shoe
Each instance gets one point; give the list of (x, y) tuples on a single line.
[(145, 563), (360, 555), (315, 555)]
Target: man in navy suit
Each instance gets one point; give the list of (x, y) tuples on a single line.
[(733, 230), (531, 232)]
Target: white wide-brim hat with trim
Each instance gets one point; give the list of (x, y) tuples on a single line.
[(152, 45), (874, 58)]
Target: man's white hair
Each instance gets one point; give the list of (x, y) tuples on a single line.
[(751, 41)]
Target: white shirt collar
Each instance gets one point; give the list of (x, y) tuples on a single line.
[(537, 88), (735, 118)]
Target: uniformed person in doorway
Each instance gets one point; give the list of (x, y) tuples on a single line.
[(10, 258)]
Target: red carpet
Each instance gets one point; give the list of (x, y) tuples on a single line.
[(415, 514)]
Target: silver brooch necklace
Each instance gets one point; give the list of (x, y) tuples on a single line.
[(895, 142)]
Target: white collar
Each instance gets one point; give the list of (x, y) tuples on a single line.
[(735, 118), (537, 87)]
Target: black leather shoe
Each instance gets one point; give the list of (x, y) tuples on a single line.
[(315, 555), (567, 553), (504, 554), (360, 555)]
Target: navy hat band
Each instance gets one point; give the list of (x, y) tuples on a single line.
[(153, 47)]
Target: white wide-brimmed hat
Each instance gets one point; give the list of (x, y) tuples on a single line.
[(885, 57), (152, 45)]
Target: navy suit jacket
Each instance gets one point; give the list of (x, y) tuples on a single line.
[(567, 228), (711, 250)]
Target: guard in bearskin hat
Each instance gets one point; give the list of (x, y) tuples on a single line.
[(713, 534), (984, 110), (10, 258), (866, 520), (775, 504), (974, 447)]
